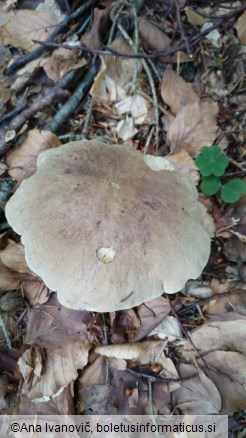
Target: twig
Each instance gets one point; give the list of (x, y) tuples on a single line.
[(28, 112), (151, 82), (183, 329), (157, 53), (6, 333), (181, 28), (149, 376), (12, 113), (185, 332), (87, 117), (207, 299), (54, 94), (61, 26), (71, 104)]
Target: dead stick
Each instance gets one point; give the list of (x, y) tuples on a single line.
[(61, 26)]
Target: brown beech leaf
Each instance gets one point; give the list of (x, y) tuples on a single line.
[(52, 325), (153, 38), (194, 126), (150, 315), (92, 38), (27, 25), (62, 61), (63, 404), (14, 258), (176, 92), (114, 77), (185, 165), (227, 371), (241, 28), (46, 375), (217, 335), (22, 161), (14, 273), (197, 396)]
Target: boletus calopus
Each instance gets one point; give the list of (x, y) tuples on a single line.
[(104, 230)]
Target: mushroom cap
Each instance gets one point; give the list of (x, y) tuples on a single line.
[(106, 231)]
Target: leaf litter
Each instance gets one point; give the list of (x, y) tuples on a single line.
[(191, 348)]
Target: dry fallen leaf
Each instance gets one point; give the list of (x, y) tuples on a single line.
[(227, 371), (46, 375), (193, 17), (62, 61), (14, 258), (114, 77), (27, 25), (194, 126), (217, 335), (92, 38), (241, 28), (52, 325), (145, 352), (136, 105), (153, 38), (176, 92), (14, 273), (22, 161), (185, 165), (196, 396), (151, 314)]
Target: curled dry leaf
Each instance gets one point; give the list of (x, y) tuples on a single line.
[(194, 126), (145, 352), (148, 352), (27, 25), (22, 161), (153, 38), (176, 92)]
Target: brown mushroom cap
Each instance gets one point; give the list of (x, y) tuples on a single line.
[(104, 230)]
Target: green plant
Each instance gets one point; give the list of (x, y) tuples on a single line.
[(212, 165)]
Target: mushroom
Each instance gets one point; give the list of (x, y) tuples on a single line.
[(104, 230)]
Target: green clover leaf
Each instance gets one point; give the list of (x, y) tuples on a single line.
[(211, 161), (210, 185), (233, 190)]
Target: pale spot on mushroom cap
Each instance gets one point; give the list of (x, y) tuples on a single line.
[(114, 186), (105, 255), (159, 163)]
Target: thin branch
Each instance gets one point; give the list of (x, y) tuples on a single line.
[(193, 41), (60, 28), (72, 103)]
